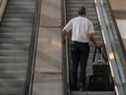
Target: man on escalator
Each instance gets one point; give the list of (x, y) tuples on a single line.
[(82, 32)]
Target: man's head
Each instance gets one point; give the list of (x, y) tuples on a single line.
[(82, 11)]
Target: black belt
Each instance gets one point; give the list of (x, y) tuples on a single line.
[(76, 42)]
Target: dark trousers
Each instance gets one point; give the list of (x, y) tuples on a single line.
[(79, 54)]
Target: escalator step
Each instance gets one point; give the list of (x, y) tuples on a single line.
[(15, 39), (73, 6), (93, 93)]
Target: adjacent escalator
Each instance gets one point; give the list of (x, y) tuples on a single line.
[(16, 36)]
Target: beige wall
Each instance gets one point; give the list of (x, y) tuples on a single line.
[(118, 4)]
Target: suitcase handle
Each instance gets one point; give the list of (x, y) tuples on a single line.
[(97, 56)]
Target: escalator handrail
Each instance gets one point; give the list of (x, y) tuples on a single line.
[(65, 52), (33, 49), (122, 89), (113, 31), (116, 26), (119, 37)]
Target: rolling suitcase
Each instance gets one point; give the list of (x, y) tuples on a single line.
[(101, 69), (101, 79), (99, 83), (99, 65)]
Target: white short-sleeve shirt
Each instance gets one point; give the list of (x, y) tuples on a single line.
[(79, 26)]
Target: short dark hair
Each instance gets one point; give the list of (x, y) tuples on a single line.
[(82, 11)]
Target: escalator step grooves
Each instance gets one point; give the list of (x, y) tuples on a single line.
[(15, 36), (72, 7)]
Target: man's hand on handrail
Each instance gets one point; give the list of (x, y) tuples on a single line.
[(66, 34), (96, 39)]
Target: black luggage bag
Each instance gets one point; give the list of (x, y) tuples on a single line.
[(101, 69), (101, 79), (100, 83)]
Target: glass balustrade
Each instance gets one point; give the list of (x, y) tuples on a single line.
[(113, 44)]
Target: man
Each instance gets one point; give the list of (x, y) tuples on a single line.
[(82, 32)]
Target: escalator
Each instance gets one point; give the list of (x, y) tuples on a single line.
[(99, 12), (16, 46)]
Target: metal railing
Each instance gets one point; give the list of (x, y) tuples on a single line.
[(66, 58), (33, 46), (33, 49), (113, 44)]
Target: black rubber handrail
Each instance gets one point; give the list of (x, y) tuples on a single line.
[(33, 49), (65, 52)]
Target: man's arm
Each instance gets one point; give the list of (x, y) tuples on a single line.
[(67, 30), (91, 36), (96, 39), (67, 34), (94, 36), (91, 32)]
